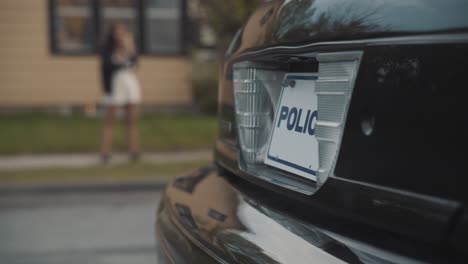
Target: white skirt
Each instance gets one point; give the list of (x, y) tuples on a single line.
[(125, 89)]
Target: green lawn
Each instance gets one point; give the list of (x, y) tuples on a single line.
[(101, 174), (52, 133)]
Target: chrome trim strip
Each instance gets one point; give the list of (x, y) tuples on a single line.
[(163, 242), (284, 185), (365, 250), (422, 39), (192, 239), (400, 193)]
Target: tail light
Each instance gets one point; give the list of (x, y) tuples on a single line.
[(256, 92), (257, 89)]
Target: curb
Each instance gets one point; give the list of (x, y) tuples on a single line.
[(81, 188), (39, 161)]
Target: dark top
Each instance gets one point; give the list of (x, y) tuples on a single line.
[(110, 66)]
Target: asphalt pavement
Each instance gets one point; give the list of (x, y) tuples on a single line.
[(111, 227)]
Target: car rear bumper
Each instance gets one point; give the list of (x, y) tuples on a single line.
[(177, 239), (172, 246), (207, 217)]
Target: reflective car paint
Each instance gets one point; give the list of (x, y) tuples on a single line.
[(415, 54), (284, 22), (206, 216)]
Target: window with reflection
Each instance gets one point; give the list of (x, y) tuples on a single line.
[(78, 26), (123, 11), (163, 21), (73, 26)]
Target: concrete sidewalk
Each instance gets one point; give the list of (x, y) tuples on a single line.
[(87, 160)]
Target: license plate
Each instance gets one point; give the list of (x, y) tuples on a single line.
[(293, 146)]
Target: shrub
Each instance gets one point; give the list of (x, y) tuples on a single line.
[(205, 86)]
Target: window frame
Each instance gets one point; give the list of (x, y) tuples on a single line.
[(53, 44), (96, 20)]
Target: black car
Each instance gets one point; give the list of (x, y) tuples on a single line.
[(343, 138)]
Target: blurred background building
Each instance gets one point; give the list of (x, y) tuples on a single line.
[(49, 50)]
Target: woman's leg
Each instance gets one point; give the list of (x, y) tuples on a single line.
[(108, 131), (133, 137)]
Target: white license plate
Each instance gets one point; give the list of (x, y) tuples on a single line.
[(293, 145)]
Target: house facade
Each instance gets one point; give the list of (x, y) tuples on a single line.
[(49, 50)]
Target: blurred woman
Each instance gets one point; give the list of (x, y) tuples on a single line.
[(121, 89)]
